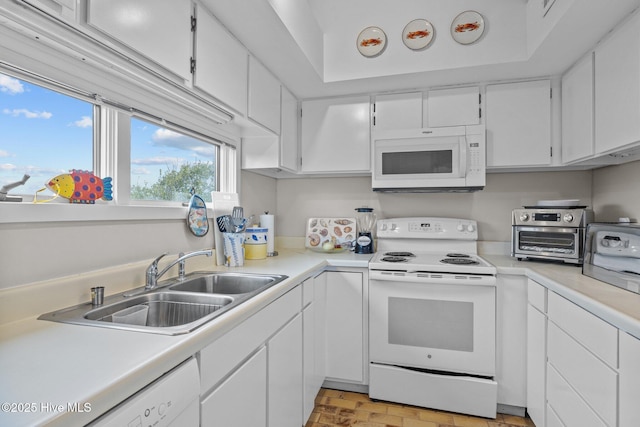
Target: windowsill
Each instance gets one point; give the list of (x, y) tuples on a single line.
[(11, 212)]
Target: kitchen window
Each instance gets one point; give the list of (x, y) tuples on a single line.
[(47, 129)]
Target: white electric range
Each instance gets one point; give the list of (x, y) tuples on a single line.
[(432, 316)]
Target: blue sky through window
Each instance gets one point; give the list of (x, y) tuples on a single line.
[(42, 133)]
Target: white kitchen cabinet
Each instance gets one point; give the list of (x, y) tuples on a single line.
[(335, 135), (582, 351), (64, 9), (313, 342), (273, 152), (264, 96), (536, 353), (157, 29), (511, 340), (221, 62), (452, 107), (397, 111), (241, 400), (629, 380), (345, 326), (578, 111), (617, 85), (518, 122), (285, 376)]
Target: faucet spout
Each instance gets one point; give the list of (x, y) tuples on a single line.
[(152, 275)]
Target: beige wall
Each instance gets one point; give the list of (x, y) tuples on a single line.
[(616, 192), (299, 199)]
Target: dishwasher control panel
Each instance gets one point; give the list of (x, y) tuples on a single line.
[(172, 400)]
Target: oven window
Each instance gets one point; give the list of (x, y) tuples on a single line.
[(541, 241), (436, 324), (417, 162)]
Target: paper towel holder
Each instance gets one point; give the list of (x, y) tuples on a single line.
[(270, 233)]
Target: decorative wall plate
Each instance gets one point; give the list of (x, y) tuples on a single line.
[(371, 41), (467, 27), (417, 34)]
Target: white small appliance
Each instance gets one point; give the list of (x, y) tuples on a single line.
[(432, 317), (447, 159)]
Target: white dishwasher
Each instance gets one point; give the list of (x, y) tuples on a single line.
[(171, 400)]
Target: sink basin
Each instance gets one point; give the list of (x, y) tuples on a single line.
[(176, 307), (226, 283)]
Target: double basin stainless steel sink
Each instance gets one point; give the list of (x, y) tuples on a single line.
[(174, 307)]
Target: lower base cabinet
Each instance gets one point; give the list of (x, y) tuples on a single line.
[(629, 380), (285, 376), (241, 400)]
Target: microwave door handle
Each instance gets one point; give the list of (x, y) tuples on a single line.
[(463, 157)]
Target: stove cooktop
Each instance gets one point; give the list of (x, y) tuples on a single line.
[(444, 262)]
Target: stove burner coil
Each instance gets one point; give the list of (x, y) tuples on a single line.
[(457, 255), (394, 259), (459, 261), (399, 254)]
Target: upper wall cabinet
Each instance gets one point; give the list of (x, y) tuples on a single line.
[(160, 30), (518, 121), (64, 9), (289, 132), (577, 111), (452, 107), (335, 135), (397, 111), (220, 63), (617, 85), (264, 96)]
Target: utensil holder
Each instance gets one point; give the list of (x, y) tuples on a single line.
[(233, 249)]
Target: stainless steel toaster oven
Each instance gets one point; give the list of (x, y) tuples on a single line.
[(556, 234)]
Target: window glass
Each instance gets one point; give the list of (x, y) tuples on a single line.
[(166, 165), (43, 133)]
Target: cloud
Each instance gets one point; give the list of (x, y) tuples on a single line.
[(151, 161), (166, 134), (84, 122), (4, 153), (140, 171), (16, 112), (7, 167), (10, 85)]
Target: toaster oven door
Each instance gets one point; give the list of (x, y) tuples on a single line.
[(554, 243)]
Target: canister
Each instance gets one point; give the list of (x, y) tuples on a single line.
[(255, 243)]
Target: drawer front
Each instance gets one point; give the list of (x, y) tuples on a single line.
[(567, 405), (537, 295), (307, 292), (629, 380), (594, 333), (593, 380), (552, 419), (222, 356)]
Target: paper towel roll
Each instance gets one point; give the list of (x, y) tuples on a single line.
[(268, 221)]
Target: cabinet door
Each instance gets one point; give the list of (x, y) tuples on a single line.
[(221, 63), (157, 29), (241, 400), (65, 9), (511, 339), (289, 132), (264, 96), (452, 107), (518, 122), (397, 111), (577, 111), (335, 135), (309, 391), (617, 82), (536, 365), (629, 380), (285, 376), (345, 327)]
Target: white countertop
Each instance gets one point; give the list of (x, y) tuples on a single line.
[(49, 364)]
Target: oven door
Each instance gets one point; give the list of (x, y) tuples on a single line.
[(558, 243), (445, 324)]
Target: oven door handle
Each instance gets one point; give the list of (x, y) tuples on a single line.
[(546, 229), (432, 278)]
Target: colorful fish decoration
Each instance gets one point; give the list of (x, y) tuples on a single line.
[(81, 187)]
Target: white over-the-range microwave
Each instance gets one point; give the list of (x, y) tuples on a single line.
[(447, 159)]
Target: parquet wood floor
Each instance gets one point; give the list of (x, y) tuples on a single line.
[(336, 408)]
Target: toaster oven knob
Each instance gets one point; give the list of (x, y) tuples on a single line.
[(524, 217), (568, 218)]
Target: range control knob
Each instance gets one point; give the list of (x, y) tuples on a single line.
[(568, 217), (460, 227), (393, 227), (383, 227), (470, 228), (524, 217)]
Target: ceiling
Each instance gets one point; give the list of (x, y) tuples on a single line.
[(310, 45)]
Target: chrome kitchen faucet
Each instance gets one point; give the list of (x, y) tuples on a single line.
[(152, 274)]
